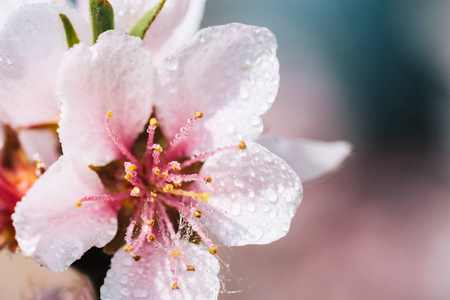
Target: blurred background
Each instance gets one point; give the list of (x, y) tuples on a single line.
[(375, 73)]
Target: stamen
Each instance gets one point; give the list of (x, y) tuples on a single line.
[(242, 145), (175, 287), (176, 253), (197, 214), (203, 196), (168, 188), (174, 165), (151, 238), (190, 268), (102, 198), (213, 250), (135, 192), (188, 177), (154, 122), (205, 155), (184, 211), (184, 131), (151, 223), (127, 248), (157, 171), (116, 140), (131, 167), (151, 136)]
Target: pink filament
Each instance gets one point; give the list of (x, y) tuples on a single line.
[(105, 197), (206, 154), (118, 143), (151, 136)]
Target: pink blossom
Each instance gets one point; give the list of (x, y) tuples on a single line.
[(230, 73)]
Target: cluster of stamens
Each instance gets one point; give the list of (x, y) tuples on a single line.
[(157, 185)]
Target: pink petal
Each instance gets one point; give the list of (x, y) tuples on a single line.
[(230, 73), (43, 143), (50, 228), (310, 159), (254, 195), (115, 74), (150, 277), (32, 44)]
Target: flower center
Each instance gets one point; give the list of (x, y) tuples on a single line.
[(167, 213)]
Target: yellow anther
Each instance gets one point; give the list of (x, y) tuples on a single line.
[(151, 223), (176, 168), (154, 122), (168, 188), (190, 268), (242, 145), (132, 167), (213, 250), (79, 203), (198, 114), (208, 179), (175, 287), (177, 184), (153, 194), (157, 171), (137, 257), (109, 114), (128, 176), (164, 174), (151, 237), (136, 191), (176, 253), (197, 213), (205, 196), (127, 249), (158, 148)]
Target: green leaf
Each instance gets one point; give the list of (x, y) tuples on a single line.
[(71, 35), (102, 17), (141, 27)]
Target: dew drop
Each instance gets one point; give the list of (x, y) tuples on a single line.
[(127, 261), (244, 92), (124, 291), (171, 63), (140, 293)]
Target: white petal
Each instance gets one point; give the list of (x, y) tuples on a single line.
[(310, 159), (178, 21), (32, 44), (150, 277), (43, 143), (50, 229), (115, 74), (230, 73), (8, 6), (254, 195)]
